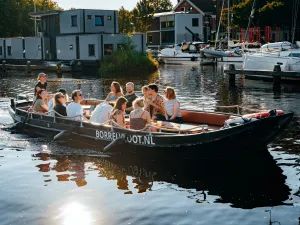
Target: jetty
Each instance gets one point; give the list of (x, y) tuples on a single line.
[(276, 74)]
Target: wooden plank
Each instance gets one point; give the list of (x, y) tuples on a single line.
[(264, 72)]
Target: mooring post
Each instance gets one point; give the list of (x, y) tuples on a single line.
[(231, 74), (276, 78), (59, 68), (28, 67), (3, 66)]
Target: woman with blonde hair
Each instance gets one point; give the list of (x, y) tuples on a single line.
[(116, 92), (41, 85), (172, 106), (117, 113), (145, 91), (139, 117)]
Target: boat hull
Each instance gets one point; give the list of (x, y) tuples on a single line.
[(268, 61), (222, 142)]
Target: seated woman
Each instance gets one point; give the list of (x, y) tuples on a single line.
[(172, 105), (146, 98), (118, 111), (139, 117), (116, 92), (40, 105), (59, 105)]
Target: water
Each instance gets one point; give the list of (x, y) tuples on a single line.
[(43, 182)]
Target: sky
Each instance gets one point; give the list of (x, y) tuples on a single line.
[(100, 4)]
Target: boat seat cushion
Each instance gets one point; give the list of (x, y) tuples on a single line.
[(204, 117)]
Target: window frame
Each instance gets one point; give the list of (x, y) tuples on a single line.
[(91, 50), (193, 20), (102, 18), (9, 50), (72, 20), (105, 52)]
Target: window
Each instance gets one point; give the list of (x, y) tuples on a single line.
[(195, 22), (108, 17), (167, 24), (74, 21), (89, 17), (91, 50), (182, 9), (150, 38), (99, 20), (8, 50), (108, 49), (39, 47), (0, 50)]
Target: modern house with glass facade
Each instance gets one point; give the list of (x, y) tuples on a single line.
[(184, 23)]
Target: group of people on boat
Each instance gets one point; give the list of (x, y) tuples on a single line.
[(116, 106)]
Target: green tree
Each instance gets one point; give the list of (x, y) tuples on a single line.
[(141, 16), (14, 16), (267, 12), (125, 21)]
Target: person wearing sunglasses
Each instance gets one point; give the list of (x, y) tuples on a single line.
[(59, 107), (75, 109), (51, 101)]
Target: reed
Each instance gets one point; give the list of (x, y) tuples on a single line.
[(127, 59)]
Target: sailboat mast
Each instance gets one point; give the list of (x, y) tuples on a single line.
[(228, 20)]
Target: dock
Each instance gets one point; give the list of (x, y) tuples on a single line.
[(264, 73), (57, 67), (276, 74)]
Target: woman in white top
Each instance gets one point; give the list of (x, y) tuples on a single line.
[(172, 106)]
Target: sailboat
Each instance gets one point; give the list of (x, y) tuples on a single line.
[(235, 54)]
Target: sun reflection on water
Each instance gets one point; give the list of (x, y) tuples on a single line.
[(75, 214)]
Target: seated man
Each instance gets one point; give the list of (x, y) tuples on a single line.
[(101, 114), (130, 96), (75, 109), (156, 104)]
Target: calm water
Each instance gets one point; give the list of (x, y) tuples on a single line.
[(80, 186)]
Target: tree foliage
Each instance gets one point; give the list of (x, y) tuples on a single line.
[(14, 16), (140, 17), (267, 13)]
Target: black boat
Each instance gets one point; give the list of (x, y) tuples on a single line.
[(203, 133)]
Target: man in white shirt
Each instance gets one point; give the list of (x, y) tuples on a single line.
[(74, 108), (101, 114)]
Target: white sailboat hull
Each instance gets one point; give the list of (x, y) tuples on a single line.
[(268, 61)]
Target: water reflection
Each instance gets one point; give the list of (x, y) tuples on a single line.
[(247, 183), (75, 214)]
